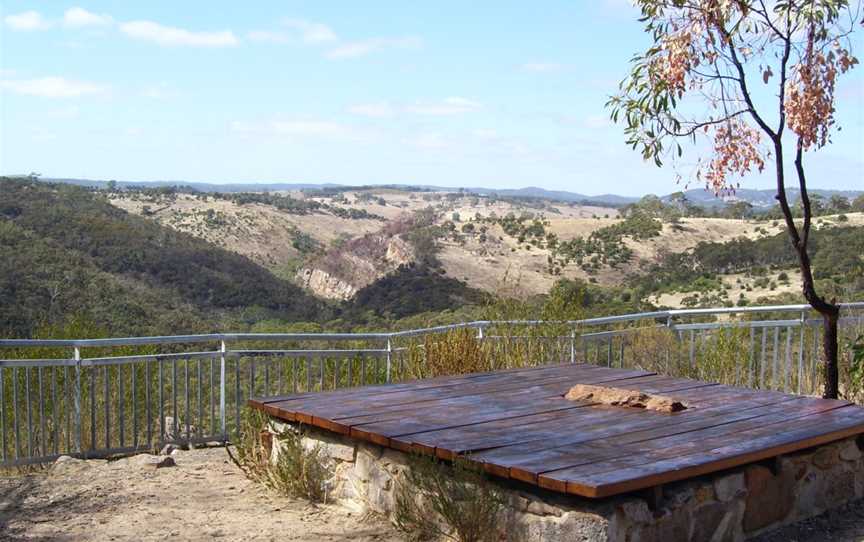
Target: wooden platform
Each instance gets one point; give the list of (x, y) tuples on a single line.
[(518, 425)]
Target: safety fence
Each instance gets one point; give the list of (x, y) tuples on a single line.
[(98, 397)]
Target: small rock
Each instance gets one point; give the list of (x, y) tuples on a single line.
[(167, 461), (168, 449), (66, 463)]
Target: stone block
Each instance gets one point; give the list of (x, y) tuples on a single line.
[(334, 450), (826, 457), (770, 499), (715, 521), (636, 511), (730, 487), (723, 507), (703, 493), (849, 451), (540, 508), (671, 526), (365, 459), (575, 526)]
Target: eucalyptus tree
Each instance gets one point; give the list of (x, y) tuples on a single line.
[(745, 85)]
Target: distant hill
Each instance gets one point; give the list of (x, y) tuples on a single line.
[(556, 195), (757, 198), (704, 198)]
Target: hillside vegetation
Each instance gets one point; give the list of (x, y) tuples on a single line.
[(166, 260), (61, 244)]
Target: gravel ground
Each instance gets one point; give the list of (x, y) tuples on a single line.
[(203, 497)]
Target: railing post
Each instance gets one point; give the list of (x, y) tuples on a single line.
[(573, 345), (389, 358), (77, 406), (222, 417), (479, 333), (801, 350)]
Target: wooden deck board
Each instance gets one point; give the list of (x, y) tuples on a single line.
[(517, 424)]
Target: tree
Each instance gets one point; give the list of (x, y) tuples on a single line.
[(738, 209), (757, 83), (858, 204), (839, 204)]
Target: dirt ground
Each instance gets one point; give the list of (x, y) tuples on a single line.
[(844, 524), (204, 497)]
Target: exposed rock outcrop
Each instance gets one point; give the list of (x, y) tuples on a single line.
[(341, 273), (325, 285)]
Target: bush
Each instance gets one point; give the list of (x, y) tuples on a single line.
[(297, 471), (435, 500), (855, 378)]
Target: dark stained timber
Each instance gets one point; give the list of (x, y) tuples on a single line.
[(517, 424)]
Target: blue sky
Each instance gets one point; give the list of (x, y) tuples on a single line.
[(497, 94)]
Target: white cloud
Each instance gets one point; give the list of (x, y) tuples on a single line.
[(26, 20), (354, 49), (543, 67), (52, 87), (79, 17), (300, 30), (170, 36), (311, 32), (453, 105)]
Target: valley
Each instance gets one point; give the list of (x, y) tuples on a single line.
[(382, 257)]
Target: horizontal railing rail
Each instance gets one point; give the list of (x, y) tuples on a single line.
[(191, 389)]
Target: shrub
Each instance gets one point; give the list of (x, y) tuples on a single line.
[(855, 389), (457, 502), (298, 471)]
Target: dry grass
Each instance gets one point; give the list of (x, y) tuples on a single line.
[(264, 233)]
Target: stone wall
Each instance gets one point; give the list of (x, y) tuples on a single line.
[(728, 506)]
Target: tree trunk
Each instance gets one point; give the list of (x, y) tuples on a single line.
[(829, 351), (830, 311)]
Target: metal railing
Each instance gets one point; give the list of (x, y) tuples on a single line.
[(97, 397)]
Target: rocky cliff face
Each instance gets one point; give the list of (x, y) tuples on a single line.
[(323, 284), (344, 271)]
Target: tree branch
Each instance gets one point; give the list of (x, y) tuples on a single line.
[(697, 125)]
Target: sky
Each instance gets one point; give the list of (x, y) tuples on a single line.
[(498, 94)]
